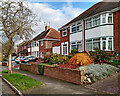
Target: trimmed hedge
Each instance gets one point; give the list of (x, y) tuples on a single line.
[(41, 69)]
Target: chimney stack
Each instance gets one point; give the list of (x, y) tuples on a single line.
[(47, 27)]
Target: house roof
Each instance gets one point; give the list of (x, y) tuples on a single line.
[(48, 34), (97, 8)]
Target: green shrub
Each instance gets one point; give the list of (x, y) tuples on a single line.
[(4, 71), (96, 71), (58, 59), (69, 57), (74, 51), (41, 69), (100, 56)]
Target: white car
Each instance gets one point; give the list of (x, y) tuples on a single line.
[(18, 59)]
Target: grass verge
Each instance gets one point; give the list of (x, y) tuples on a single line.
[(22, 82), (4, 71)]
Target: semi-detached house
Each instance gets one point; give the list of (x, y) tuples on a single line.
[(97, 27), (41, 45)]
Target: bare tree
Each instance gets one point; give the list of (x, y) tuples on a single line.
[(16, 20)]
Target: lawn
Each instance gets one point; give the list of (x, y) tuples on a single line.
[(4, 71), (22, 82)]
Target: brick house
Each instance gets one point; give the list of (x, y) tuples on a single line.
[(22, 49), (41, 45), (97, 27)]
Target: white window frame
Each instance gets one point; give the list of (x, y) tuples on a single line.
[(64, 31)]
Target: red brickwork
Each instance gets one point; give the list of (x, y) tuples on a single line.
[(56, 44), (68, 75), (65, 39), (116, 20), (31, 68)]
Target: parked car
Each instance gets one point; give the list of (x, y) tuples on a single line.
[(29, 59), (12, 58), (17, 60)]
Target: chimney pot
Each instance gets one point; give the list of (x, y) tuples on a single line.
[(47, 27)]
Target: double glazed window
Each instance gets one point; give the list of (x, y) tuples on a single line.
[(77, 45), (77, 27), (89, 23), (110, 18), (64, 33), (65, 49), (96, 20), (103, 43), (103, 18)]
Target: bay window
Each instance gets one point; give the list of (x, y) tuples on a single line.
[(96, 20), (89, 23), (79, 46), (110, 18), (73, 28), (104, 18), (110, 44), (89, 45), (96, 43)]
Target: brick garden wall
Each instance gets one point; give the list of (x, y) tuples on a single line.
[(63, 74), (31, 68)]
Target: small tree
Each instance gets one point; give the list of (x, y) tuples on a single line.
[(16, 23)]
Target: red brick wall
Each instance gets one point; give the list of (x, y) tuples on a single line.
[(63, 74), (116, 20), (55, 44), (31, 68), (65, 39)]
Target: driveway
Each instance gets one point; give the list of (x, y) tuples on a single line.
[(54, 86)]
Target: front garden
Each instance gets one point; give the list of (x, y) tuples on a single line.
[(89, 67)]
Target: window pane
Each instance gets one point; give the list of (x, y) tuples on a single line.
[(109, 19), (89, 46), (65, 49), (104, 45), (73, 47), (96, 45), (110, 45), (79, 46)]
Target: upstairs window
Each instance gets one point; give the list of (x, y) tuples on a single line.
[(32, 44), (42, 43), (110, 18), (103, 18), (73, 28), (96, 20), (79, 26), (64, 33), (89, 23)]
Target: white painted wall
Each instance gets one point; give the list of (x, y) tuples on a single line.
[(100, 31), (28, 49), (76, 37), (56, 50)]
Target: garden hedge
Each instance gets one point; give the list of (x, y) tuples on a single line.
[(41, 69)]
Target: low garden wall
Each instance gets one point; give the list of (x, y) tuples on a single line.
[(31, 68), (70, 75)]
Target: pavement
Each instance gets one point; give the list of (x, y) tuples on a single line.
[(55, 86)]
